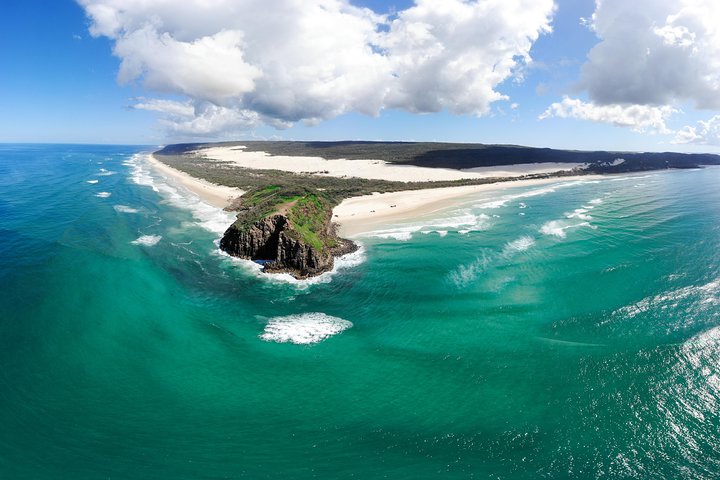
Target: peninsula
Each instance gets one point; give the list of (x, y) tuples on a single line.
[(290, 196)]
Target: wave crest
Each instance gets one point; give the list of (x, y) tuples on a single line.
[(303, 329)]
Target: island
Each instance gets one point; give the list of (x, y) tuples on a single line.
[(287, 191)]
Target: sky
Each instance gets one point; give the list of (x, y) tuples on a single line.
[(573, 74)]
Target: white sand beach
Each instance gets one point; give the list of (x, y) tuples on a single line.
[(369, 212), (216, 195), (365, 213)]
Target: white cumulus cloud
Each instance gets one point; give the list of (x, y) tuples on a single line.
[(652, 56), (238, 63), (640, 118), (655, 52), (704, 133)]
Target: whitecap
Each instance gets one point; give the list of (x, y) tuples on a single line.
[(103, 194), (402, 234), (105, 173), (92, 182), (464, 275), (304, 328), (596, 201), (147, 240), (519, 245), (555, 228), (125, 209), (580, 213)]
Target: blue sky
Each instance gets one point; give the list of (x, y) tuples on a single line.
[(72, 73)]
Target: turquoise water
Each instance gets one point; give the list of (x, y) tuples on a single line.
[(558, 331)]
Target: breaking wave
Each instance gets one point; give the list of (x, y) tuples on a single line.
[(462, 222), (341, 263), (207, 216), (519, 245), (303, 329)]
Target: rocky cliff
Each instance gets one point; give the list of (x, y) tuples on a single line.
[(275, 241)]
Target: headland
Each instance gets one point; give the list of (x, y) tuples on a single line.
[(296, 201)]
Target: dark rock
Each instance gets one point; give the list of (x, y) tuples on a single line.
[(273, 240)]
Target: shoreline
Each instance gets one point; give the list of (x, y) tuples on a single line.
[(219, 196), (358, 215)]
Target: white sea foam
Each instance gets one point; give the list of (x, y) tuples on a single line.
[(147, 240), (303, 329), (580, 213), (106, 174), (402, 233), (207, 216), (464, 275), (92, 182), (125, 209), (461, 222), (103, 194), (502, 201), (555, 228), (139, 173), (519, 245), (558, 228), (341, 263), (596, 201), (708, 294)]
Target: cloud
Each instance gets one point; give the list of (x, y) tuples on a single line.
[(655, 53), (202, 119), (639, 118), (704, 133), (239, 62)]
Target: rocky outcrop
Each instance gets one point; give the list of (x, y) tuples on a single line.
[(273, 241)]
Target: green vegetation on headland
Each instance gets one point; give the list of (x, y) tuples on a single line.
[(285, 218)]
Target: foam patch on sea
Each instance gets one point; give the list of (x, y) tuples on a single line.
[(147, 240), (303, 329), (125, 209)]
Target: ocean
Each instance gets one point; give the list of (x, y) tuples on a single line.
[(568, 330)]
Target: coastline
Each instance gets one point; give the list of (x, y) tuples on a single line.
[(219, 196), (357, 215)]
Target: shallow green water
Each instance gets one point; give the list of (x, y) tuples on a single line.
[(514, 343)]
